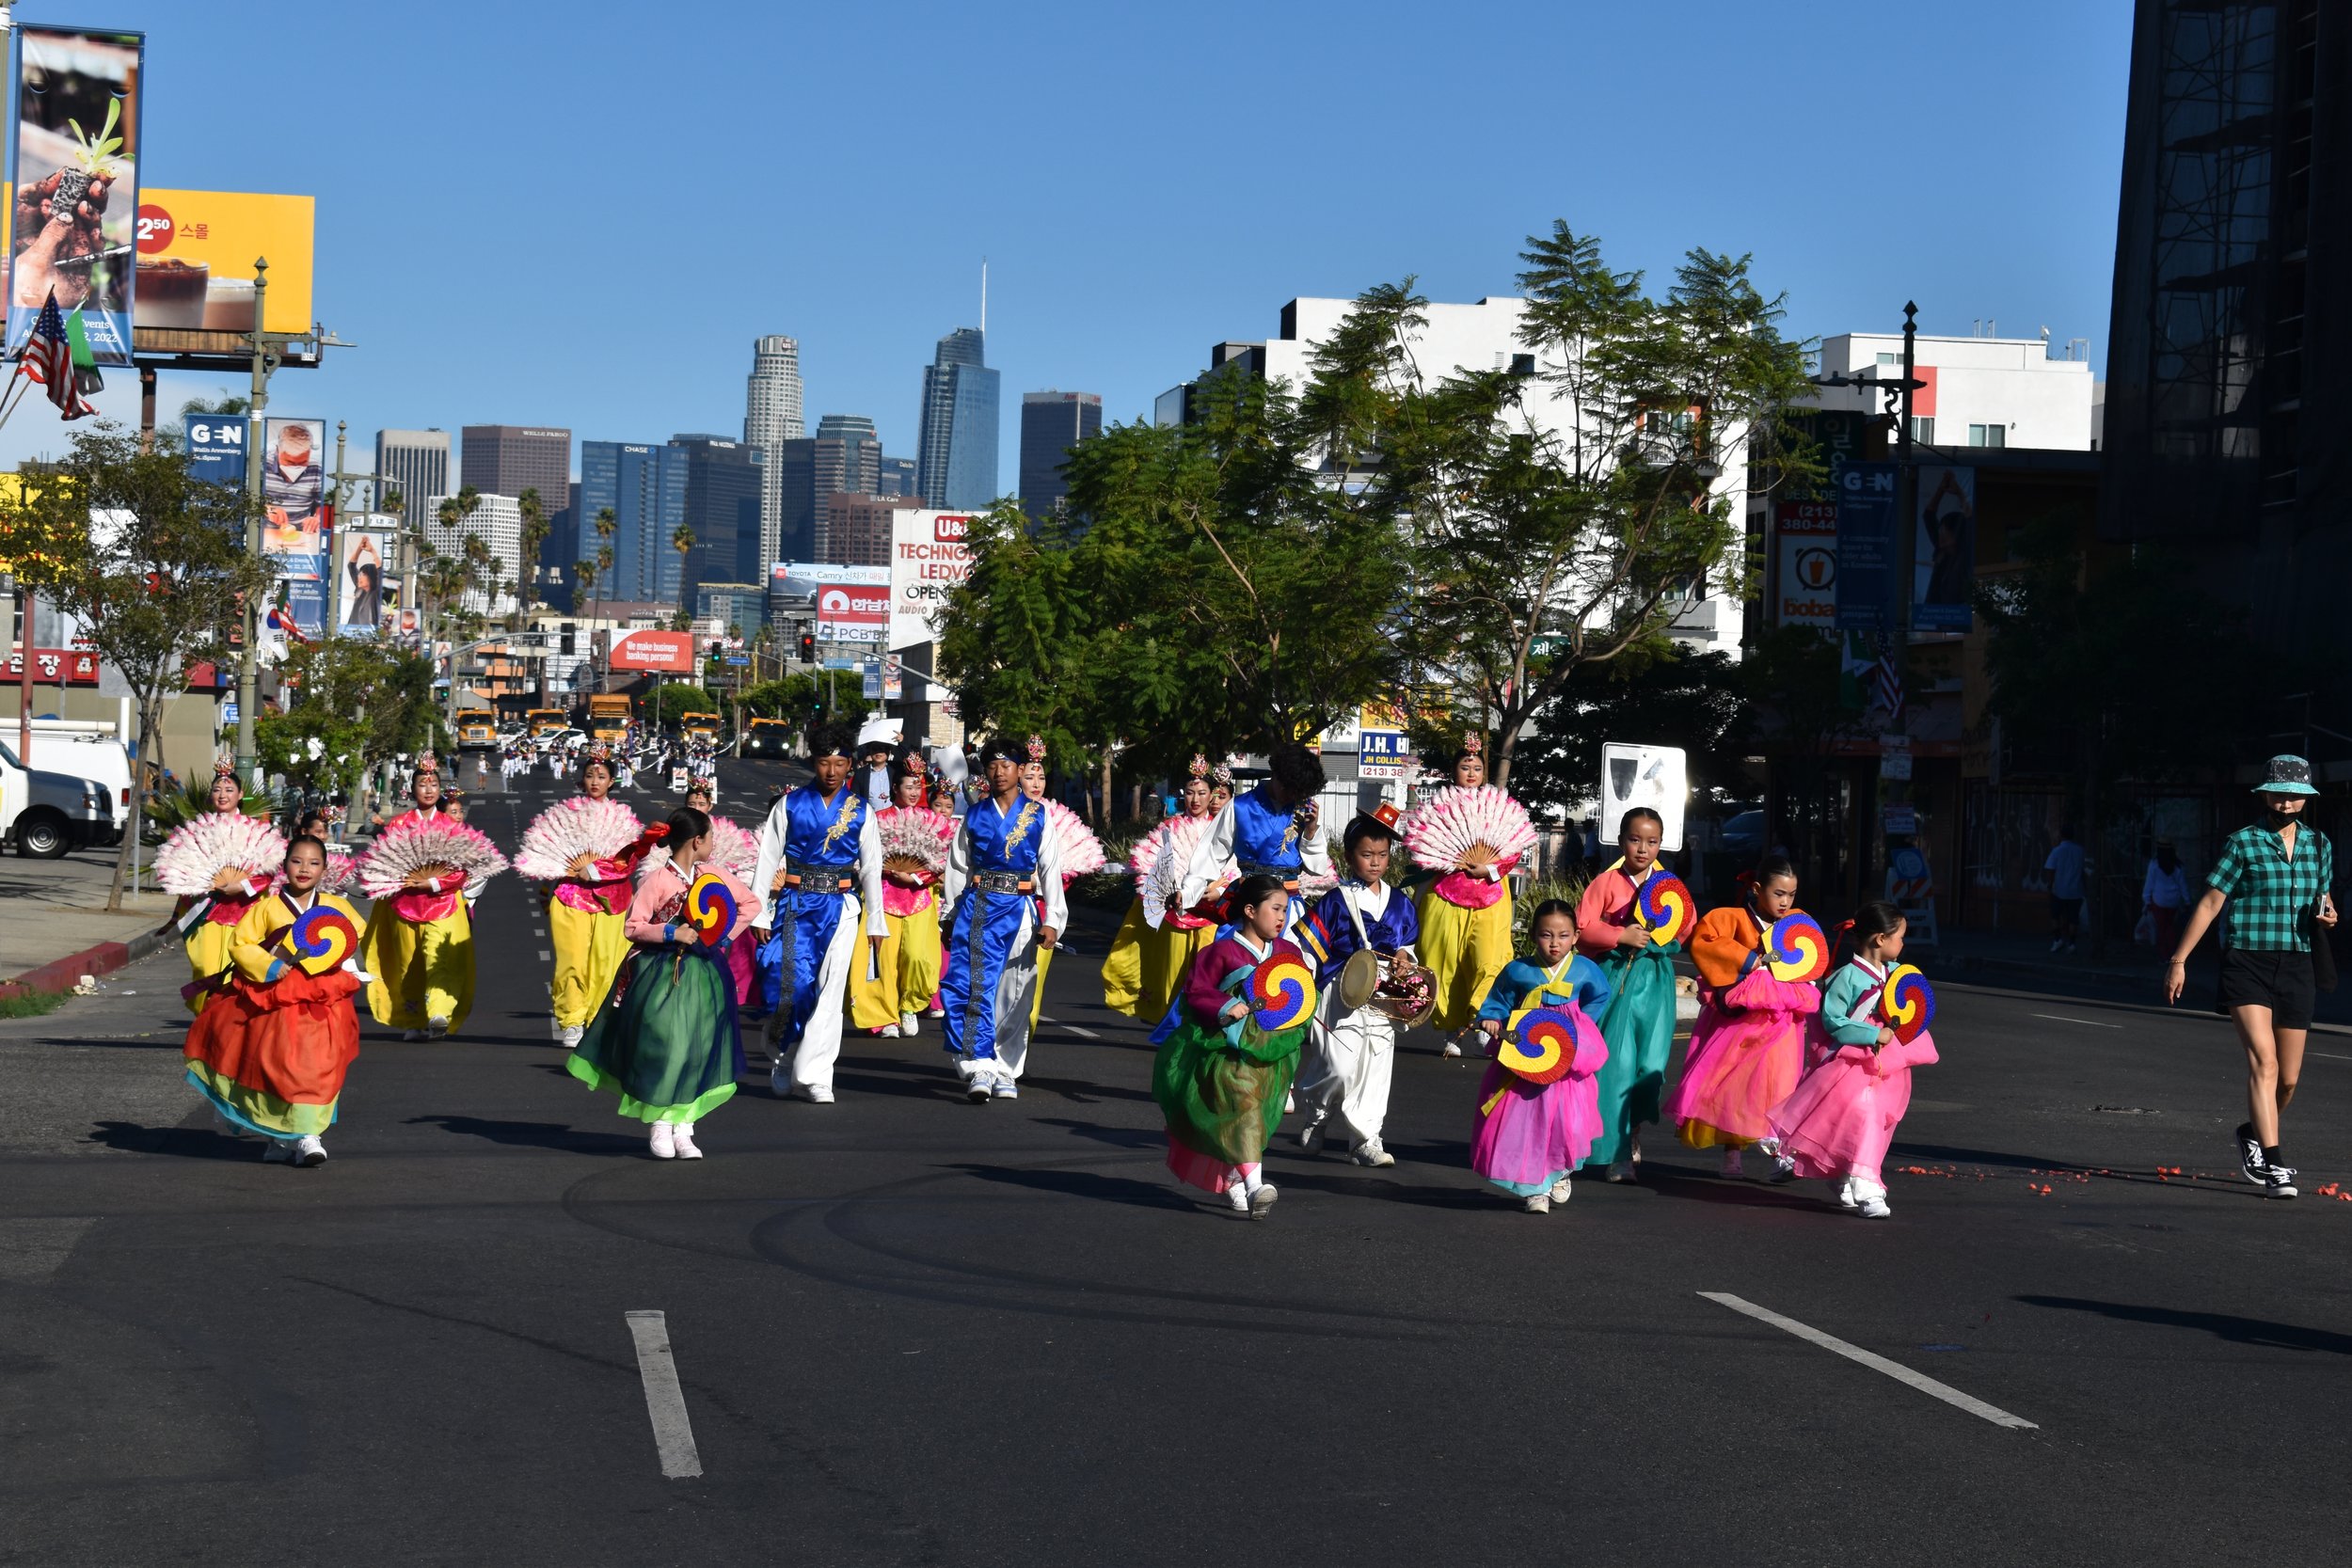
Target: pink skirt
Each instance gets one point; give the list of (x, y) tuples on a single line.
[(1738, 1067), (1839, 1121), (1529, 1136)]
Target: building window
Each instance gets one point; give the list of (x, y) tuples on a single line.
[(1996, 436), (1890, 358), (1923, 429)]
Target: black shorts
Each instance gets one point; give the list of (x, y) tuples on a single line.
[(2280, 981), (2066, 911)]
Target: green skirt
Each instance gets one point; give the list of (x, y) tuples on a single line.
[(1223, 1099), (1639, 1030), (665, 1040)]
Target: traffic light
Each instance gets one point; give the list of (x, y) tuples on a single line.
[(569, 640), (808, 647)]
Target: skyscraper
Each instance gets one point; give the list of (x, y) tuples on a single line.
[(508, 459), (845, 462), (1051, 424), (645, 486), (416, 464), (722, 502), (772, 416), (956, 454), (858, 528), (497, 522), (895, 476), (2229, 351), (793, 480)]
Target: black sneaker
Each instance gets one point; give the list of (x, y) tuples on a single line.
[(2250, 1152), (2277, 1181)]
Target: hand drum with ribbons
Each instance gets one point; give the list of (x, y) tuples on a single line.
[(1666, 907), (710, 909), (1360, 979), (322, 937), (1281, 994), (1907, 1003), (1539, 1042), (1796, 948)]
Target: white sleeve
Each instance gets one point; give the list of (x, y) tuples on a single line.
[(869, 877), (1208, 858), (771, 860), (1049, 883), (959, 868), (1314, 851)]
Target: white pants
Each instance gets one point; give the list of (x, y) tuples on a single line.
[(1016, 984), (1355, 1062), (820, 1042)]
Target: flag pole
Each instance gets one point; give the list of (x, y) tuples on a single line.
[(9, 405)]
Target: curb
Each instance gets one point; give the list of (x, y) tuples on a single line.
[(61, 974)]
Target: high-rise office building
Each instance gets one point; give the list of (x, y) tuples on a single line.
[(497, 522), (771, 417), (416, 464), (508, 459), (846, 461), (858, 527), (2230, 352), (722, 503), (793, 480), (643, 485), (955, 453), (895, 476), (1051, 424)]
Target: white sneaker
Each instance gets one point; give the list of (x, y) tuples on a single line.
[(1870, 1199), (1005, 1088), (1371, 1154), (1874, 1208), (1310, 1136), (1732, 1169), (309, 1152), (410, 1037), (435, 1028), (1263, 1200), (890, 1031), (1561, 1191), (663, 1140), (1453, 1048), (1784, 1169), (978, 1090), (1844, 1194), (1623, 1170), (278, 1151), (907, 1022), (1238, 1195), (572, 1034), (1540, 1204), (815, 1094), (1289, 1102), (682, 1140), (555, 1029)]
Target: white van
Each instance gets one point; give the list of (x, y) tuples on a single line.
[(77, 795)]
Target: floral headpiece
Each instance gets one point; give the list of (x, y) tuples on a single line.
[(600, 750), (1199, 768), (1036, 748), (225, 766), (1222, 776), (428, 763), (912, 763), (1474, 744)]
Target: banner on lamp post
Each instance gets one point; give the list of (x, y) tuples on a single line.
[(75, 204)]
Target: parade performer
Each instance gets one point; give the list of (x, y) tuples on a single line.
[(1639, 1025), (1471, 835), (1840, 1119), (1748, 1047), (1160, 937), (1003, 906), (1074, 849), (665, 1040), (271, 1051), (219, 862), (1274, 831), (1538, 1107), (821, 854), (1350, 1058), (577, 851), (419, 947), (1220, 1078), (739, 852), (889, 998)]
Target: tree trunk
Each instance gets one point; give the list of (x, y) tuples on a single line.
[(1103, 823), (150, 720)]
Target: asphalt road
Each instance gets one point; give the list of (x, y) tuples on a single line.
[(911, 1330)]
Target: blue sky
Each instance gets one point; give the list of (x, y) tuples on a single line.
[(582, 214)]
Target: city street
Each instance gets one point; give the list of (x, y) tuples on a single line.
[(911, 1330)]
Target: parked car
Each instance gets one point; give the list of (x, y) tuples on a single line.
[(47, 812), (1744, 834)]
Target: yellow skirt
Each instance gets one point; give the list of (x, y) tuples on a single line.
[(208, 958), (1122, 971), (1465, 949), (1037, 998), (1168, 954), (589, 948), (908, 973), (422, 971)]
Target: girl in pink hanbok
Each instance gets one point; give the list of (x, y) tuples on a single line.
[(1530, 1136), (1747, 1050), (1840, 1119)]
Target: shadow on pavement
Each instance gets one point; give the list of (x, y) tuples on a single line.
[(1121, 1137), (1083, 1184), (2238, 1331), (186, 1143), (534, 1135)]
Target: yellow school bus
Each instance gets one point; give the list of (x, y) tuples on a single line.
[(699, 726), (542, 719)]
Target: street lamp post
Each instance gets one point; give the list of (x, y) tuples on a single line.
[(249, 666)]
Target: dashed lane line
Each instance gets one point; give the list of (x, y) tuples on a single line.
[(1894, 1370), (665, 1402), (2061, 1018)]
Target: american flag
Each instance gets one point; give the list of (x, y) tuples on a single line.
[(48, 358), (1887, 683)]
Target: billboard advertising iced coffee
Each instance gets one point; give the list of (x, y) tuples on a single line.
[(195, 253), (928, 556), (77, 144)]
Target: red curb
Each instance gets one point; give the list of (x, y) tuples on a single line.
[(63, 974)]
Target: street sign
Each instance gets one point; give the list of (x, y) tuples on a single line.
[(229, 711), (1382, 754), (738, 660)]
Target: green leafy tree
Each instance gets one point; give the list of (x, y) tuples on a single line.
[(1661, 694), (149, 558), (357, 704), (1797, 713), (672, 698)]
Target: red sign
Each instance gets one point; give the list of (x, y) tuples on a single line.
[(57, 666), (669, 652)]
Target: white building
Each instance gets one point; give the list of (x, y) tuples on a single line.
[(1485, 336), (1979, 391), (772, 416), (497, 522)]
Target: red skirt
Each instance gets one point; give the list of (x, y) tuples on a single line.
[(272, 1058)]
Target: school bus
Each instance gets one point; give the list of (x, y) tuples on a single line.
[(540, 721), (607, 716), (699, 726)]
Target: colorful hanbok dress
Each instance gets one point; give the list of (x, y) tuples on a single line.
[(1839, 1121), (1254, 836), (209, 925), (419, 947), (903, 983), (271, 1048), (1639, 1025), (1748, 1047), (587, 917), (1003, 881), (1529, 1136), (1220, 1085)]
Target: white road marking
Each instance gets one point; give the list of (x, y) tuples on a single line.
[(2061, 1018), (2329, 1054), (31, 1250), (665, 1403), (1894, 1370), (545, 957), (1081, 1033)]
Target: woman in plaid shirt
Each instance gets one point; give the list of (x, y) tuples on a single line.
[(2275, 876)]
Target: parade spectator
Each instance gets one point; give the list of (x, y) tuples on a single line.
[(2164, 893), (2065, 866)]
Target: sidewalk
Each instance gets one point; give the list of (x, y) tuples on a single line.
[(2125, 972), (56, 929)]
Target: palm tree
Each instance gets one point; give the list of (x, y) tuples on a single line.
[(682, 540), (535, 534), (604, 568)]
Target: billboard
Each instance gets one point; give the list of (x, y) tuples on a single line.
[(1944, 571), (365, 552), (928, 558), (76, 148), (195, 254), (853, 602), (1804, 581), (295, 523), (666, 652), (1866, 546), (217, 448)]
